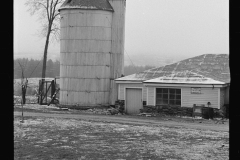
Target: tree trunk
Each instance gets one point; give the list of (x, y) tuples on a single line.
[(45, 55), (45, 62)]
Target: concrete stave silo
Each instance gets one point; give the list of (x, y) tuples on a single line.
[(91, 47), (118, 37)]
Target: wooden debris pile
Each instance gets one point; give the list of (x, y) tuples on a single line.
[(148, 114), (113, 111), (98, 111), (219, 113), (118, 108)]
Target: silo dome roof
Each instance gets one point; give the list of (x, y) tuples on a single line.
[(87, 4)]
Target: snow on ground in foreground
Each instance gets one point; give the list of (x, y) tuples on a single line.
[(113, 141)]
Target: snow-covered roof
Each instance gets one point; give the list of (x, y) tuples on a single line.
[(186, 77), (213, 66), (133, 77), (87, 4)]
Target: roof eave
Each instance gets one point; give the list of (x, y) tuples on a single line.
[(84, 8), (184, 84), (128, 81)]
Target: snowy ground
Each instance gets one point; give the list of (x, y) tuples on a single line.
[(97, 111), (57, 138)]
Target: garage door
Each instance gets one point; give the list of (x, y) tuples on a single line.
[(133, 100)]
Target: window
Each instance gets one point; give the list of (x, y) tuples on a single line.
[(169, 96)]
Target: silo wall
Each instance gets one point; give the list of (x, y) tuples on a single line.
[(117, 50), (85, 57)]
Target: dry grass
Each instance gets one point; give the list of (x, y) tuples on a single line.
[(55, 138)]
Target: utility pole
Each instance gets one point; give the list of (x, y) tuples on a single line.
[(24, 89)]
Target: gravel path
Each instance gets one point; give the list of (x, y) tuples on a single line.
[(128, 120)]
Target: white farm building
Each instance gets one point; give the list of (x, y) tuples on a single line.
[(198, 80)]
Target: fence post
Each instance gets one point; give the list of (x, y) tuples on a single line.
[(46, 92), (39, 84), (52, 88), (41, 87)]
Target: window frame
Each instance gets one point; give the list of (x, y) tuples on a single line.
[(160, 94)]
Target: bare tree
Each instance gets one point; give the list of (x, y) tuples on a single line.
[(47, 11)]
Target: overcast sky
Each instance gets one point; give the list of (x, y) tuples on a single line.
[(154, 29)]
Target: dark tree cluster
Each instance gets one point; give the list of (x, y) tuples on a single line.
[(33, 68)]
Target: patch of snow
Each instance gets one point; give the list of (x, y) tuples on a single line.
[(120, 129), (65, 147), (46, 140)]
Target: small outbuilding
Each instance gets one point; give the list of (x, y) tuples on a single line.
[(201, 80)]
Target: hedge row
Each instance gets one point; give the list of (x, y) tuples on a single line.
[(168, 110), (173, 110)]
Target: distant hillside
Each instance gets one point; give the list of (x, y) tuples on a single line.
[(153, 60)]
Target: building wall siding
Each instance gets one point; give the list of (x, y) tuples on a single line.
[(188, 99), (222, 96), (121, 95), (123, 86), (151, 96), (226, 100), (144, 93), (207, 95)]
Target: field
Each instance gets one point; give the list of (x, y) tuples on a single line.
[(84, 139), (58, 138)]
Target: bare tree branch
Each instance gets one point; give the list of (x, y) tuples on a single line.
[(55, 29), (51, 8), (54, 7), (47, 11), (56, 15)]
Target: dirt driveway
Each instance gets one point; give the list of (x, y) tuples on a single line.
[(132, 120)]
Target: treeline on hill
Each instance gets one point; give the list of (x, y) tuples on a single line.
[(33, 68)]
